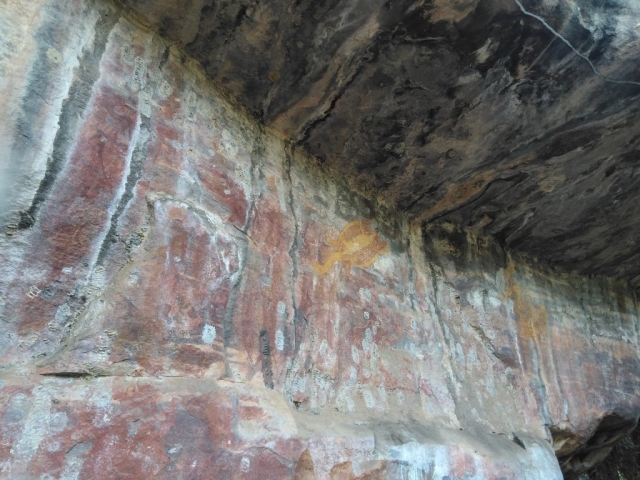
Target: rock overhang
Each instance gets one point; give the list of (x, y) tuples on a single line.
[(512, 118)]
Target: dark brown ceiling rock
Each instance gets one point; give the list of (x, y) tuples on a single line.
[(517, 119)]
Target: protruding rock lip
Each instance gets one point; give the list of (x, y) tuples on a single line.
[(578, 455), (513, 118)]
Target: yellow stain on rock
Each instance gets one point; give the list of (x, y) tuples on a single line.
[(357, 245), (532, 315), (533, 318)]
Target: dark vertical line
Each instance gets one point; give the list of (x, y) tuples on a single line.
[(293, 250), (86, 76), (265, 354), (135, 173), (227, 326)]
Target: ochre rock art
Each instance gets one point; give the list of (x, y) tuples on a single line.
[(163, 309), (357, 245)]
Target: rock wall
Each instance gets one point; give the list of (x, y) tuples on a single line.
[(184, 295), (484, 113)]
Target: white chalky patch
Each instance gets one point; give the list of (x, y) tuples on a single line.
[(145, 103), (53, 446), (33, 292), (245, 463), (475, 298), (134, 278), (281, 308), (279, 341), (420, 461), (208, 334), (35, 427), (373, 362), (139, 73), (368, 335), (473, 357), (355, 355), (382, 393), (62, 313), (229, 144), (242, 176), (103, 402), (300, 384), (384, 264), (349, 401), (494, 300), (367, 340), (365, 294), (353, 374), (58, 422), (324, 346), (74, 461), (164, 90), (368, 398), (281, 197)]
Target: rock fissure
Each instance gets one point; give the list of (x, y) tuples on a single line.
[(361, 63), (294, 248)]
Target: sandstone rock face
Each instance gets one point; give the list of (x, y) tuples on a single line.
[(184, 294), (487, 113)]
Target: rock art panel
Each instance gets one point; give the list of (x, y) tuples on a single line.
[(183, 300), (356, 245), (488, 113)]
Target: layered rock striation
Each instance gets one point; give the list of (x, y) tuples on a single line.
[(187, 294)]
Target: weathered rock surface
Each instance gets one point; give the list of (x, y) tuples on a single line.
[(186, 295), (517, 118)]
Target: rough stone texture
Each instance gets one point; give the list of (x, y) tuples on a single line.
[(622, 462), (163, 314), (517, 118)]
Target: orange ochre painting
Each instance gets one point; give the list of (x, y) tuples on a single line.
[(357, 245)]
